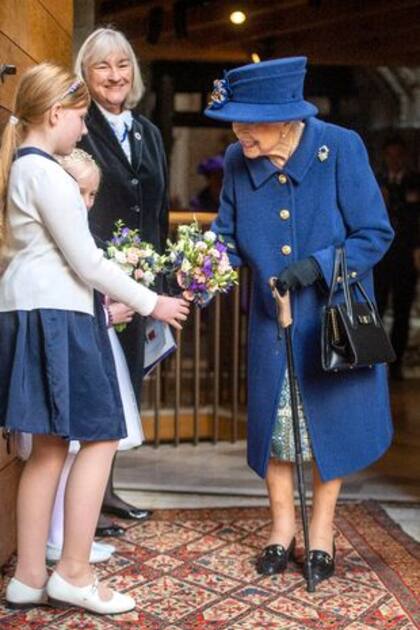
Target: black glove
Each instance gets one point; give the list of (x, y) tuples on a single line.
[(302, 273)]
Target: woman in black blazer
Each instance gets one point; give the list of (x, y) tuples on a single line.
[(129, 150)]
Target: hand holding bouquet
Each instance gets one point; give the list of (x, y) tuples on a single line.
[(137, 258), (200, 264)]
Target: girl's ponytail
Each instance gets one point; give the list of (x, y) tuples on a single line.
[(9, 142)]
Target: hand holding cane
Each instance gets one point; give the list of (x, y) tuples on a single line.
[(285, 320)]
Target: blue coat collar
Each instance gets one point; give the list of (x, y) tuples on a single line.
[(297, 166)]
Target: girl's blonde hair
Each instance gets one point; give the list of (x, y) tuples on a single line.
[(78, 163), (39, 89), (97, 47)]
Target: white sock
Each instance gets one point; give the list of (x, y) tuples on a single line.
[(55, 535)]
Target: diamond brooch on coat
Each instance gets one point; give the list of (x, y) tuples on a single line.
[(323, 153)]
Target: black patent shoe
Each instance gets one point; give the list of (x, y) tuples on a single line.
[(112, 530), (274, 559), (322, 564), (130, 512)]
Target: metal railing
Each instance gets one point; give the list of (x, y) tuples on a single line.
[(199, 392)]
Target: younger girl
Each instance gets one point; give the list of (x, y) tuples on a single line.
[(85, 171), (54, 381)]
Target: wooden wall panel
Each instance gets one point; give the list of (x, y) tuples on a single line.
[(10, 53), (62, 12), (30, 31), (30, 26)]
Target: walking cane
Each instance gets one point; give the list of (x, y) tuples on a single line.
[(284, 317)]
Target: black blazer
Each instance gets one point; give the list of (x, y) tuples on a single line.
[(136, 193)]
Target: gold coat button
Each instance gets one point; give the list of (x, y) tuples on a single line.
[(282, 178), (286, 250), (284, 214), (353, 274)]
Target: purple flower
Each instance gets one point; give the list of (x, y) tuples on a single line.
[(220, 247), (125, 232)]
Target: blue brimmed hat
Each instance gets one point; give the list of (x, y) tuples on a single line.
[(271, 91)]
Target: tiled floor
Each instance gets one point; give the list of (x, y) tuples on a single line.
[(210, 475)]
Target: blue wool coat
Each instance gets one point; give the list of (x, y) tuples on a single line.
[(329, 202)]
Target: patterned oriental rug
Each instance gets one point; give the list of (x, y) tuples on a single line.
[(194, 570)]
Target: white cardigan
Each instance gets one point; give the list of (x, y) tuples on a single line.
[(51, 258)]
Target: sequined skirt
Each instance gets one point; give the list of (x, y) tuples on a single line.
[(283, 442)]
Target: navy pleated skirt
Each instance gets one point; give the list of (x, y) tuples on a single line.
[(57, 376)]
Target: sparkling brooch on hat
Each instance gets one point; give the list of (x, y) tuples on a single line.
[(221, 93), (323, 153)]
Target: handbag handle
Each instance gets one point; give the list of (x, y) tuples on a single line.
[(340, 267)]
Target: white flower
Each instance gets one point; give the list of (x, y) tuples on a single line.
[(201, 246), (209, 236), (186, 265), (120, 257), (148, 278)]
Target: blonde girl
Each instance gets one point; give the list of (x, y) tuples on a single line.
[(54, 381)]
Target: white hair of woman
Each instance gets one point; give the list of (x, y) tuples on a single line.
[(98, 46)]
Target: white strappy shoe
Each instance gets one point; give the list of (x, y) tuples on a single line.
[(21, 596), (61, 594)]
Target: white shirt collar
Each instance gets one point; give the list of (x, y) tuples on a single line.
[(125, 116)]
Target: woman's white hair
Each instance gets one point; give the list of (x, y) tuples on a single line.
[(100, 44)]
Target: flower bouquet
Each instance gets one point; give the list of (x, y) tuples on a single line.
[(137, 258), (200, 263)]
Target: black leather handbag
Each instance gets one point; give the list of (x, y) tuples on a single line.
[(353, 335)]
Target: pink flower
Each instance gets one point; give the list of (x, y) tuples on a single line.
[(138, 274), (180, 279), (132, 257), (224, 264)]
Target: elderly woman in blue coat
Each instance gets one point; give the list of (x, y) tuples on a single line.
[(294, 189)]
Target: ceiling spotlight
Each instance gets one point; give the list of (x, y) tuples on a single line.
[(237, 17), (255, 57)]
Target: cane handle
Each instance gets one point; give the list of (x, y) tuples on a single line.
[(284, 309)]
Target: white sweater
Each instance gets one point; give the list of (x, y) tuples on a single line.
[(51, 258)]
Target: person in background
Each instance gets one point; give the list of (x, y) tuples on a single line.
[(208, 199), (129, 151), (396, 274)]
